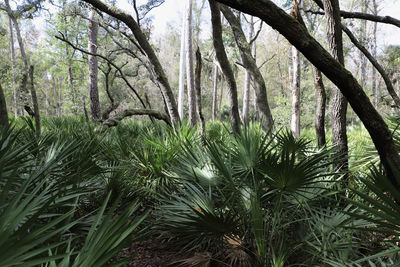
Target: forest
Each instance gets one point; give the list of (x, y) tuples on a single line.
[(199, 133)]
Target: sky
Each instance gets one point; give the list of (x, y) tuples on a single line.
[(170, 13)]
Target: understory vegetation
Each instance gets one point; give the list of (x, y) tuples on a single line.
[(77, 197)]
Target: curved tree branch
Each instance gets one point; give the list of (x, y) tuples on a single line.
[(375, 63), (111, 122), (62, 38)]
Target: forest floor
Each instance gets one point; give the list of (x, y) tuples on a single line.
[(154, 253)]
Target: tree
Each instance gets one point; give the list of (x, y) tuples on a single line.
[(147, 49), (3, 110), (375, 91), (181, 93), (12, 56), (189, 65), (249, 63), (93, 65), (295, 121), (320, 107), (197, 85), (225, 65), (339, 102), (215, 91), (35, 101), (14, 15), (247, 78), (23, 93), (298, 36)]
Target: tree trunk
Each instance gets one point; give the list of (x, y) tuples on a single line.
[(12, 54), (3, 110), (189, 65), (35, 102), (24, 95), (295, 121), (250, 64), (197, 83), (320, 95), (339, 102), (247, 78), (375, 92), (181, 94), (215, 90), (363, 41), (225, 65), (93, 66)]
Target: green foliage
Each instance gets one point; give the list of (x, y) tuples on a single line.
[(69, 198), (43, 183)]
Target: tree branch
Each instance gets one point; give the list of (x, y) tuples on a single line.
[(375, 63), (62, 38), (365, 16), (111, 122)]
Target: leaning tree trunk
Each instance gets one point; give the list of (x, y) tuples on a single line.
[(93, 66), (225, 65), (250, 64), (3, 110), (181, 94), (320, 94), (339, 102), (298, 36), (35, 102), (295, 121), (189, 65)]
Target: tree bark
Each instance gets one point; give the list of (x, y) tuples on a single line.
[(363, 41), (298, 36), (295, 121), (320, 94), (147, 48), (225, 65), (113, 106), (35, 102), (3, 110), (375, 92), (93, 66), (12, 55), (24, 95), (339, 102), (181, 94), (197, 83), (215, 90), (189, 65), (250, 64), (247, 78), (111, 122)]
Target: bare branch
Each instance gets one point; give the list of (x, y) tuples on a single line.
[(62, 38)]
